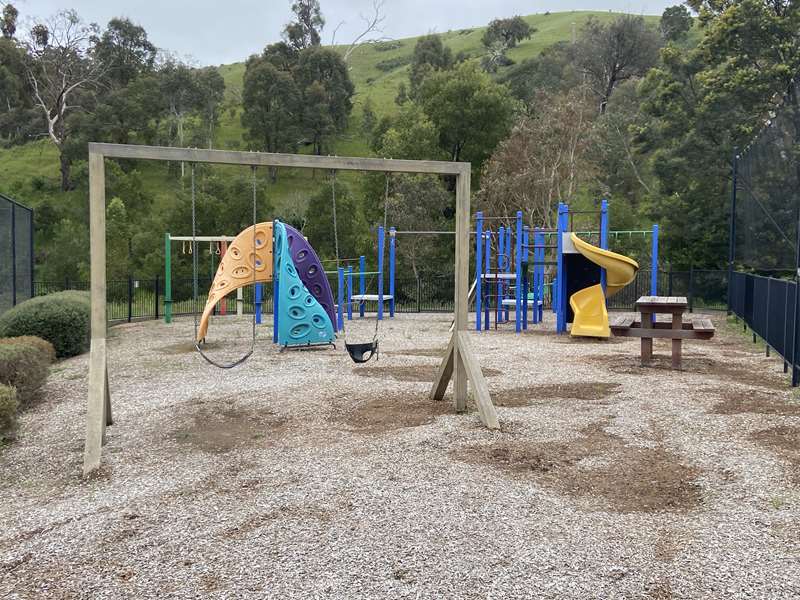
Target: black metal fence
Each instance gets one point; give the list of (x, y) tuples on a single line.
[(769, 307), (16, 253)]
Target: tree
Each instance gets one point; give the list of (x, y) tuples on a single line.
[(545, 159), (350, 222), (430, 55), (59, 67), (471, 111), (609, 54), (180, 90), (704, 102), (304, 31), (552, 70), (509, 32), (211, 93), (411, 135), (324, 82), (125, 50), (272, 107), (675, 23), (8, 24)]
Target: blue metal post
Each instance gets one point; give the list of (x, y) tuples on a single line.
[(486, 269), (603, 237), (501, 253), (340, 298), (561, 313), (506, 282), (654, 263), (350, 293), (391, 269), (381, 242), (518, 276), (526, 283), (362, 283), (478, 268)]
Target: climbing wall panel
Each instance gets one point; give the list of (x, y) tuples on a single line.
[(310, 269), (302, 320), (248, 260)]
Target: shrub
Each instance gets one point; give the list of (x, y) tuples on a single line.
[(24, 367), (61, 318), (31, 340), (8, 411), (391, 64)]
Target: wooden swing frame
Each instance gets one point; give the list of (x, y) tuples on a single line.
[(459, 362)]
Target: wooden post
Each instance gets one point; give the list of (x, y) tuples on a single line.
[(98, 410), (459, 361), (677, 323), (647, 343)]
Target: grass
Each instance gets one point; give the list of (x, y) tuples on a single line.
[(20, 166)]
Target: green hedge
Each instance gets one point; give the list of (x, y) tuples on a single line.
[(25, 367), (63, 319), (8, 411), (31, 340)]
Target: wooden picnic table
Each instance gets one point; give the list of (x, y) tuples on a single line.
[(648, 327)]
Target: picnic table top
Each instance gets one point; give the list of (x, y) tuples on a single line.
[(669, 303)]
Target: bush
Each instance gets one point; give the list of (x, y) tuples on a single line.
[(62, 319), (8, 411), (394, 63), (31, 340), (24, 367)]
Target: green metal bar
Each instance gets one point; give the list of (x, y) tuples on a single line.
[(167, 279)]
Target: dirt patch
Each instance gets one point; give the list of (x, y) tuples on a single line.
[(784, 440), (532, 394), (424, 373), (736, 402), (727, 371), (432, 352), (221, 429), (389, 413), (598, 468)]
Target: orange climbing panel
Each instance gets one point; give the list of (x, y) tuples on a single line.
[(245, 257)]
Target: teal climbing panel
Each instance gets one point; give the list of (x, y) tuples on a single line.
[(301, 319)]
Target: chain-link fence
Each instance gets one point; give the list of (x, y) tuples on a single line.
[(16, 253)]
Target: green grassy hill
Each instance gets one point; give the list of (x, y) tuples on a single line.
[(377, 70)]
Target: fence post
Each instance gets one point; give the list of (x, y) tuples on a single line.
[(155, 287), (419, 295), (669, 282), (66, 283), (691, 288), (766, 318), (130, 298), (14, 255)]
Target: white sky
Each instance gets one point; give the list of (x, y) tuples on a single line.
[(214, 32)]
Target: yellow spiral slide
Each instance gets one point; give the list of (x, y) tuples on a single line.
[(589, 304)]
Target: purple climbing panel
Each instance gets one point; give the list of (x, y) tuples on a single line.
[(311, 272)]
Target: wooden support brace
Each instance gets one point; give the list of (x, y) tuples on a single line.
[(480, 390)]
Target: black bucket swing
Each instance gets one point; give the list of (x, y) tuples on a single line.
[(360, 352)]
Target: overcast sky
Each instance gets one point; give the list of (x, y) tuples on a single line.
[(219, 32)]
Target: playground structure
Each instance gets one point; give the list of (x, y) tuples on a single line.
[(585, 275), (458, 363), (233, 274)]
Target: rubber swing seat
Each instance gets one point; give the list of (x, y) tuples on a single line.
[(362, 353)]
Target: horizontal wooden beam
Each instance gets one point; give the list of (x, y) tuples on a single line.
[(269, 159)]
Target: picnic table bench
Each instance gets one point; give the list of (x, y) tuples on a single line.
[(647, 328)]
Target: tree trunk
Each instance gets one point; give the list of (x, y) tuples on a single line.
[(66, 170)]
